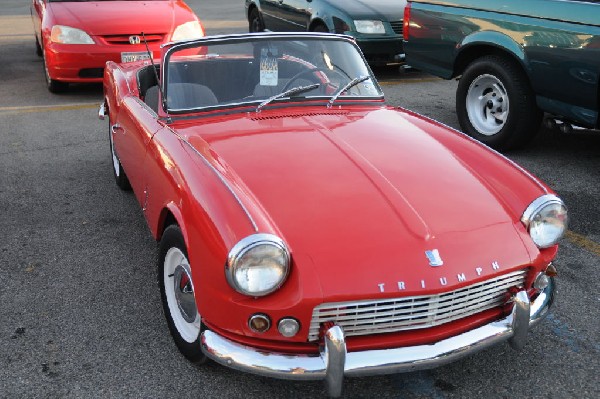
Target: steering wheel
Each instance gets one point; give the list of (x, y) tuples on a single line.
[(310, 74)]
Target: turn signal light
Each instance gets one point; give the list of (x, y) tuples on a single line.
[(259, 323), (288, 327), (551, 271)]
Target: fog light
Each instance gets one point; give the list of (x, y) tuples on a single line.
[(288, 327), (259, 323), (541, 281)]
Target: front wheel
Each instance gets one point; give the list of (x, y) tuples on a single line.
[(319, 28), (255, 23), (495, 104), (38, 48), (177, 291), (120, 176), (54, 86)]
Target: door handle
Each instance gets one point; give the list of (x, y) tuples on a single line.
[(116, 128)]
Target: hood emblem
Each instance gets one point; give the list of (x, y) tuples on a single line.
[(434, 258), (135, 40)]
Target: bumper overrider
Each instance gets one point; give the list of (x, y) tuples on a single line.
[(334, 362)]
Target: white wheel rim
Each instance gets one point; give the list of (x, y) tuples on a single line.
[(176, 268), (487, 104), (116, 167)]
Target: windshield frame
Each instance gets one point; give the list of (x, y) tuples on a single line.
[(169, 48)]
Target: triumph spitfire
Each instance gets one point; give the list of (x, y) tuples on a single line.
[(308, 230)]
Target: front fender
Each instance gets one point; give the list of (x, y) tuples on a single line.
[(325, 15)]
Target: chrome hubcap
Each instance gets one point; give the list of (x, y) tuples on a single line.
[(179, 292), (184, 294), (487, 104)]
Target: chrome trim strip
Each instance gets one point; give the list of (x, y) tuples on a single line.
[(373, 362), (267, 35)]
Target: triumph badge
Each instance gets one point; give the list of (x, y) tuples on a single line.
[(134, 40), (434, 258)]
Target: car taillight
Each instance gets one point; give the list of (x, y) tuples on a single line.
[(406, 23)]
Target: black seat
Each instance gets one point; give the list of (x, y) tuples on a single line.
[(182, 96)]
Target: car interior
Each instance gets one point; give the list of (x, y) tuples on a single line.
[(217, 81)]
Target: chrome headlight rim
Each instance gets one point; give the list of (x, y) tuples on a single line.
[(534, 209), (244, 246)]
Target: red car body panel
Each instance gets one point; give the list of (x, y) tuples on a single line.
[(325, 181), (358, 194), (104, 22)]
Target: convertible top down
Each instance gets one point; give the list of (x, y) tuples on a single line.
[(307, 229)]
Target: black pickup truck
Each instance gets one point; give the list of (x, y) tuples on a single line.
[(516, 59)]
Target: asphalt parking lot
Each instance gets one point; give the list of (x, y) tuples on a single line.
[(80, 312)]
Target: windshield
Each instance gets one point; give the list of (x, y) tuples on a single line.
[(265, 70)]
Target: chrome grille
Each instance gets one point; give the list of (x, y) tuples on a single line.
[(397, 27), (409, 313)]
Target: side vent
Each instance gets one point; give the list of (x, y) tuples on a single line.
[(300, 115)]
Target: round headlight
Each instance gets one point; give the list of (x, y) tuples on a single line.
[(546, 220), (258, 264)]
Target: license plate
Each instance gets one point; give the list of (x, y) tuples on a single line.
[(135, 56)]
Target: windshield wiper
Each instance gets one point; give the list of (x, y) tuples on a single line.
[(294, 90), (348, 85)]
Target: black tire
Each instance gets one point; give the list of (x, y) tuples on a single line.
[(255, 22), (496, 105), (38, 48), (118, 172), (172, 242), (319, 28), (54, 86)]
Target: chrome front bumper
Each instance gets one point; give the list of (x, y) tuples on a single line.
[(334, 362)]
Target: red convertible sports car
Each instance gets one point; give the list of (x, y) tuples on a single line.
[(308, 230), (77, 37)]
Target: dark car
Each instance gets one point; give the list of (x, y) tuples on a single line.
[(376, 25), (517, 61)]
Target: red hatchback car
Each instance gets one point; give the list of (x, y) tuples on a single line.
[(77, 37), (308, 230)]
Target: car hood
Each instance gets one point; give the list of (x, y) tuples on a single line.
[(116, 17), (386, 10), (361, 197)]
